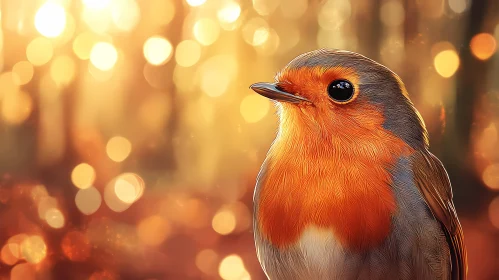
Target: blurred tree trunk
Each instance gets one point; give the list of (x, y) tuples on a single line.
[(370, 29), (163, 158), (470, 89), (411, 74)]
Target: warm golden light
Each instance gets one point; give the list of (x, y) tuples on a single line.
[(152, 231), (44, 205), (83, 176), (88, 200), (195, 3), (118, 148), (188, 53), (129, 187), (494, 212), (483, 46), (158, 50), (254, 108), (260, 36), (490, 176), (232, 268), (446, 63), (54, 218), (34, 249), (125, 14), (206, 261), (251, 27), (83, 43), (229, 13), (224, 222), (39, 51), (50, 20), (206, 31), (16, 107), (62, 70), (103, 56), (22, 72), (96, 4)]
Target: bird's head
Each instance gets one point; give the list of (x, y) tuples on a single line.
[(333, 93)]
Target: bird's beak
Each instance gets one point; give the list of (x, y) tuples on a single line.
[(271, 91)]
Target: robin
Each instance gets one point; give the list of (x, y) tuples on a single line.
[(348, 189)]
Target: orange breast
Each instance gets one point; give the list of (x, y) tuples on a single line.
[(341, 182)]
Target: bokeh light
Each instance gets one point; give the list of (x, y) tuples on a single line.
[(97, 4), (88, 200), (123, 191), (206, 31), (10, 253), (232, 268), (157, 50), (494, 212), (229, 13), (254, 108), (83, 175), (207, 261), (45, 204), (50, 20), (224, 222), (129, 187), (125, 14), (446, 63), (103, 56), (54, 218), (118, 148), (16, 107), (458, 6), (483, 46), (39, 51), (83, 43), (490, 176), (97, 20), (22, 72), (187, 53), (195, 3), (34, 249)]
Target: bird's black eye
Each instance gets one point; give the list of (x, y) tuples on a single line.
[(340, 90)]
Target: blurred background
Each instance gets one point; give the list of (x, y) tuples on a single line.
[(130, 142)]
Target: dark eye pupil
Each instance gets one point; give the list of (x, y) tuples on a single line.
[(340, 90)]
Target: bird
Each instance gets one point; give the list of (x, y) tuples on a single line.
[(349, 188)]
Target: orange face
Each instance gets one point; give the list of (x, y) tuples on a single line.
[(330, 164)]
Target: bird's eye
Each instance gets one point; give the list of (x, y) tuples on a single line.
[(340, 91)]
